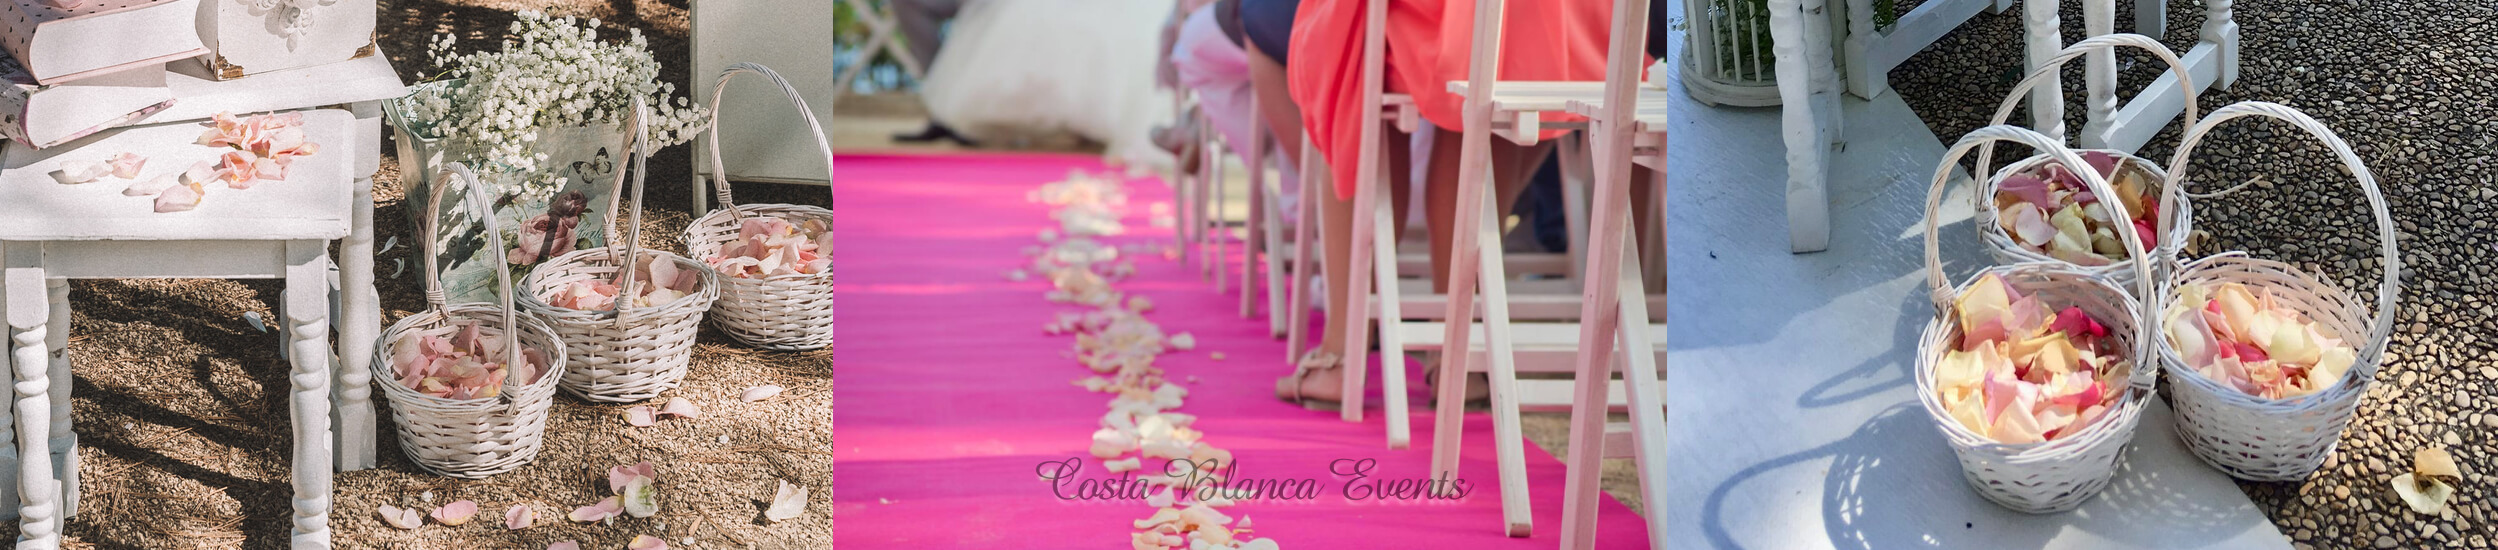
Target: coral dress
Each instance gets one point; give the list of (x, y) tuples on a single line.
[(1430, 43)]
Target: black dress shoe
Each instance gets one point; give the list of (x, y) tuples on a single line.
[(935, 132)]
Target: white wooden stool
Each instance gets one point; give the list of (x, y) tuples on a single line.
[(50, 233)]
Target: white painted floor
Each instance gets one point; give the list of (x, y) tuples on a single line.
[(1795, 422)]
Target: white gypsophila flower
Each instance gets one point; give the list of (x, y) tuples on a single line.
[(555, 73)]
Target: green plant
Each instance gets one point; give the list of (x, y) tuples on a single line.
[(1744, 44)]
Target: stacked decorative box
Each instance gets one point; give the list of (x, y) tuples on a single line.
[(91, 80)]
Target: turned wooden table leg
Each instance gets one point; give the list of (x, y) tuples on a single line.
[(9, 462), (64, 441), (39, 493), (359, 325), (307, 322)]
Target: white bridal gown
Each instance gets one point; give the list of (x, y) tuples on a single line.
[(1030, 66)]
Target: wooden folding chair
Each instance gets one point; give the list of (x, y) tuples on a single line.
[(1626, 130), (1511, 110), (1374, 244), (880, 38)]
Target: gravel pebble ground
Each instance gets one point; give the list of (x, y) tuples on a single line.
[(2404, 81)]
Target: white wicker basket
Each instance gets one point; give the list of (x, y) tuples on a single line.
[(471, 438), (784, 312), (2261, 439), (2060, 474), (2175, 220), (622, 354)]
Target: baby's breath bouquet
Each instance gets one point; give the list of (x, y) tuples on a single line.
[(541, 120), (557, 74)]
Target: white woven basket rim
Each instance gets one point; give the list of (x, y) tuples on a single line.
[(2180, 220), (543, 387), (2378, 331), (1943, 328), (703, 249), (2354, 382), (707, 289)]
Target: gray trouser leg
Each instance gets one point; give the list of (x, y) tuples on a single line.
[(920, 21)]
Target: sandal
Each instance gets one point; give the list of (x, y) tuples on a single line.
[(1319, 362), (1176, 139)]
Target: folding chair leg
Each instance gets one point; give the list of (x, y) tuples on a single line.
[(1216, 232), (1391, 316), (1355, 320), (1306, 238), (1511, 438), (1184, 196), (1277, 281), (1252, 229), (1641, 376), (1473, 265)]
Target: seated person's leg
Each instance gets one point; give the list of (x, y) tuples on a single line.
[(922, 23), (1545, 209), (1267, 25), (1656, 31)]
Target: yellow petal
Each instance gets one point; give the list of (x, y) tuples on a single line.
[(1985, 301), (2237, 307)]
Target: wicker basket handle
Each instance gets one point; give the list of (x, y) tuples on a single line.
[(637, 145), (2050, 70), (720, 173), (2388, 288), (1943, 296), (477, 202)]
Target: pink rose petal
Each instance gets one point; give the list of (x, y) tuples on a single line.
[(566, 545), (456, 513), (646, 542), (200, 173), (2101, 162), (2029, 189), (640, 416), (178, 198), (127, 165), (521, 516), (608, 508)]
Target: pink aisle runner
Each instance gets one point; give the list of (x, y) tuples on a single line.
[(950, 398)]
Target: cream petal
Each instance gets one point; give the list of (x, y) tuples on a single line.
[(767, 391), (2428, 497), (401, 518), (679, 406), (788, 502), (150, 187)]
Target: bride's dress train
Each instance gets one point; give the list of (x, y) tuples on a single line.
[(1015, 67)]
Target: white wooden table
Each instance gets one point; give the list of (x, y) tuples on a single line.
[(50, 233)]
